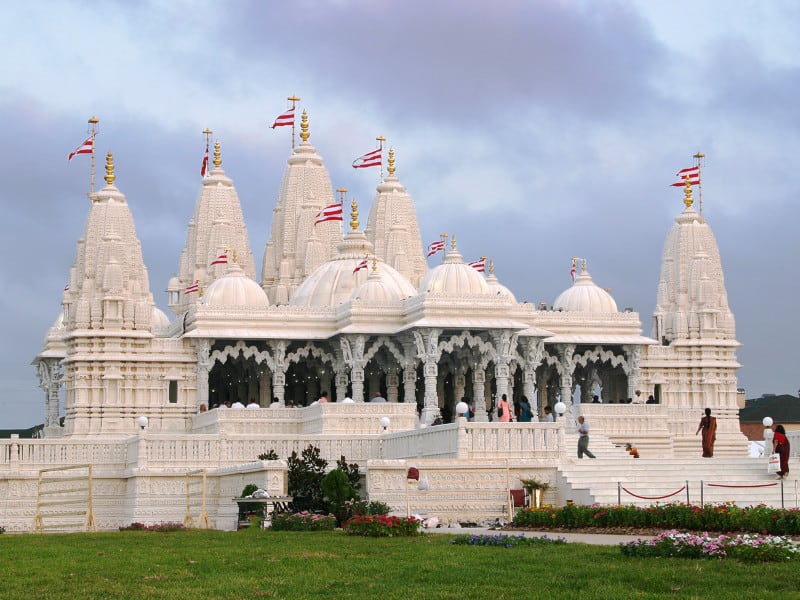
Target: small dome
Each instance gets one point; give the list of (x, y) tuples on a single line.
[(380, 288), (498, 289), (585, 296), (159, 321), (454, 276), (174, 284), (235, 289)]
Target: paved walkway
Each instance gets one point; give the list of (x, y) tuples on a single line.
[(598, 539)]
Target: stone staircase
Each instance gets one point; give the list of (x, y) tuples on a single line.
[(616, 477)]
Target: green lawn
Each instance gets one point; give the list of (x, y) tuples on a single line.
[(265, 564)]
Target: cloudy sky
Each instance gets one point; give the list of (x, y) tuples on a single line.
[(534, 130)]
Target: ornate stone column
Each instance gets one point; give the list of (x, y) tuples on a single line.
[(532, 351), (49, 371), (630, 367), (353, 355), (479, 394), (279, 371), (505, 345), (392, 385), (204, 364), (566, 357), (427, 343)]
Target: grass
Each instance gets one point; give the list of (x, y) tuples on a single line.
[(264, 564)]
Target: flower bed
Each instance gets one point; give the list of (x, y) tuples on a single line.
[(382, 526), (162, 527), (505, 541), (720, 517), (747, 548), (303, 521)]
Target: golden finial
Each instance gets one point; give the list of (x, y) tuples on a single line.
[(453, 242), (583, 265), (93, 120), (110, 177), (304, 127), (354, 215), (235, 256), (374, 263), (217, 155), (491, 267), (293, 99), (687, 193), (341, 192), (390, 168)]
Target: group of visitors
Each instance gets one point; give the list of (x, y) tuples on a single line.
[(228, 404)]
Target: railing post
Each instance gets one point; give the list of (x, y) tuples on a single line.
[(782, 506), (619, 493), (701, 493), (687, 492)]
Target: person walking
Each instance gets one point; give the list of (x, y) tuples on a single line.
[(780, 446), (503, 410), (583, 438), (525, 414), (708, 425)]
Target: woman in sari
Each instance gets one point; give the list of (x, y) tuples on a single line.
[(780, 446), (708, 425)]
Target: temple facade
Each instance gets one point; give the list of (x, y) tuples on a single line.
[(357, 314)]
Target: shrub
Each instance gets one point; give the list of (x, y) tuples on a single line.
[(747, 548), (362, 507), (337, 489), (305, 480), (352, 472), (721, 517), (271, 455), (382, 526), (303, 521), (506, 541), (164, 527), (2, 529)]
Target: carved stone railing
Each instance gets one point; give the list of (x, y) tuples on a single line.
[(33, 455), (359, 418)]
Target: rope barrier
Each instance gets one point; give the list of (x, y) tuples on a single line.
[(742, 486), (675, 493)]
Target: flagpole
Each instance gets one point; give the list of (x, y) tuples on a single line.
[(293, 99), (207, 132), (380, 140), (699, 160), (444, 237), (93, 121)]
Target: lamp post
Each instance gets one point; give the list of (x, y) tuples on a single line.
[(768, 435), (461, 409), (142, 422), (560, 409)]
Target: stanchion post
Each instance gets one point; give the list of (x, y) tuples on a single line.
[(782, 507), (687, 491), (619, 493), (701, 493)]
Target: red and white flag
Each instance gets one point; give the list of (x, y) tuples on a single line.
[(286, 119), (204, 168), (329, 213), (370, 159), (86, 147), (693, 173), (359, 266), (479, 265), (222, 259), (66, 288), (192, 289), (435, 247), (573, 269)]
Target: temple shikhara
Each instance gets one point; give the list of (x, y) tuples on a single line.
[(134, 400)]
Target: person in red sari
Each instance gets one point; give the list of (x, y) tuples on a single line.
[(780, 445), (708, 425)]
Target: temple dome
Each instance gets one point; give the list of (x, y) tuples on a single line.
[(498, 289), (585, 296), (383, 286), (235, 289), (454, 276), (159, 321)]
